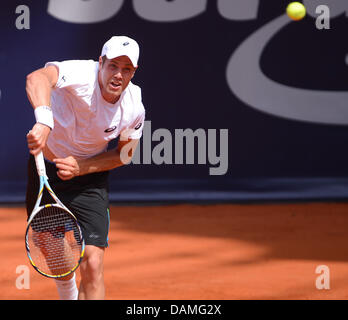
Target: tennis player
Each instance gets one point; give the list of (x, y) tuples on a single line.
[(80, 106)]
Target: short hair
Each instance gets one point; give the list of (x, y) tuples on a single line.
[(103, 59)]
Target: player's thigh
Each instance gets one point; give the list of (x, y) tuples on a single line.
[(91, 208)]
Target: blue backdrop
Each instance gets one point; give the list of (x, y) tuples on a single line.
[(279, 87)]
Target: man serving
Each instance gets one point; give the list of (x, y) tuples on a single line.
[(79, 106)]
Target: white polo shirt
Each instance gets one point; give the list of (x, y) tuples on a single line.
[(84, 122)]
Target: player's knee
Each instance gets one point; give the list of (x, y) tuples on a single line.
[(92, 268)]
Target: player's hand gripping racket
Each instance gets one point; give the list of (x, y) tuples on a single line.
[(53, 238)]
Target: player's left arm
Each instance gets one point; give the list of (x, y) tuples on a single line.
[(69, 167)]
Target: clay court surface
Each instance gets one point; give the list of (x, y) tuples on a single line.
[(268, 251)]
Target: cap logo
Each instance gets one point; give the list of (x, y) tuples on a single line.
[(126, 43)]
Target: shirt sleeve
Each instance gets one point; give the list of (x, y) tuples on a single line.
[(136, 129), (73, 72)]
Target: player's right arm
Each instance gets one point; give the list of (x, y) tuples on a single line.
[(38, 87)]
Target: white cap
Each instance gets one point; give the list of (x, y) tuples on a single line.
[(121, 46)]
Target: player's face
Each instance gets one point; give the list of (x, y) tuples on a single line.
[(114, 76)]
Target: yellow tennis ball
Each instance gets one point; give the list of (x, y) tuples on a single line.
[(296, 11)]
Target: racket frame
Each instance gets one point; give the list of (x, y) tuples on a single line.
[(40, 165)]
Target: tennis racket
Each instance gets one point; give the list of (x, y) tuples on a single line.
[(53, 237)]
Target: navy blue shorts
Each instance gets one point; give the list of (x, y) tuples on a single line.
[(85, 196)]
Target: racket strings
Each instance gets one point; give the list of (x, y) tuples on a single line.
[(55, 241)]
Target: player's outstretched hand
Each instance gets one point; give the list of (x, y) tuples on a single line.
[(37, 138), (68, 168)]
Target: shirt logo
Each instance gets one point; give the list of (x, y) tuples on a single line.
[(138, 126), (110, 129)]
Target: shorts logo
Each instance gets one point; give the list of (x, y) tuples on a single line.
[(138, 126), (110, 129)]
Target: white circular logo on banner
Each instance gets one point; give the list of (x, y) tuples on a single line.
[(251, 86)]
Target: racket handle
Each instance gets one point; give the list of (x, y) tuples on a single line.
[(40, 164)]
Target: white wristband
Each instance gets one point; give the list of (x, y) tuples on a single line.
[(44, 115)]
